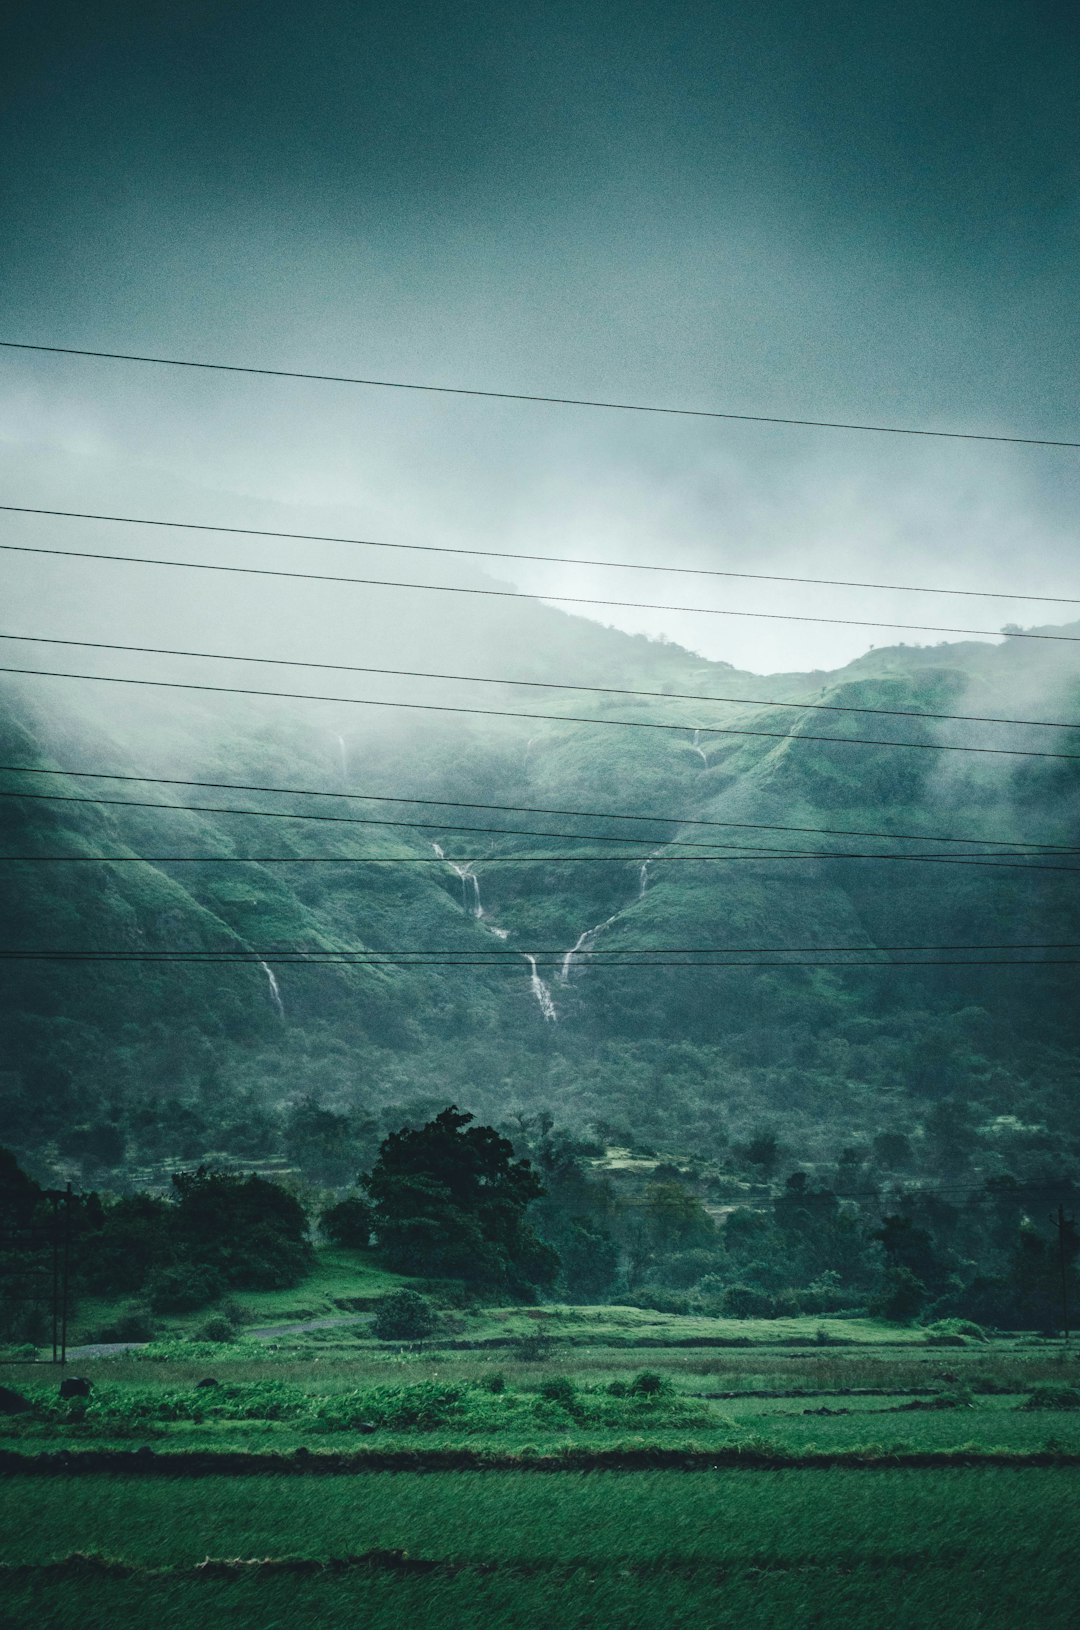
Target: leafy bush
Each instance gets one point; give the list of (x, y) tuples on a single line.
[(135, 1323), (648, 1384), (1053, 1395), (218, 1328), (559, 1389), (533, 1347), (405, 1315), (966, 1329), (745, 1302), (349, 1222), (901, 1296), (183, 1288)]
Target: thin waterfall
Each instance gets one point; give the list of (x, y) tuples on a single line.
[(540, 990), (643, 875), (584, 943), (470, 884), (343, 759), (275, 993), (698, 750)]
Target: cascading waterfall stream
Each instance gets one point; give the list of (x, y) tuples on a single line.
[(275, 993), (540, 990), (643, 875), (584, 943), (697, 749), (470, 884), (343, 759)]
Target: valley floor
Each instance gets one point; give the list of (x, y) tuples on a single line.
[(630, 1472)]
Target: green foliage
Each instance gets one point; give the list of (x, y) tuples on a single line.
[(348, 1222), (744, 1302), (1053, 1395), (405, 1315), (901, 1296), (450, 1199), (965, 1329), (559, 1389), (182, 1287), (648, 1384)]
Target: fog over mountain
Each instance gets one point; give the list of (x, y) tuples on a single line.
[(862, 215)]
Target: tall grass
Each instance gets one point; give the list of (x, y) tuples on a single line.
[(612, 1519)]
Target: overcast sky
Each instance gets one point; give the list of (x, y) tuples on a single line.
[(862, 211)]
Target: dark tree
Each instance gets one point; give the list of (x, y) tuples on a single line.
[(349, 1222), (450, 1200), (247, 1230)]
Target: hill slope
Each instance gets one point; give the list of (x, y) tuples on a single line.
[(122, 1064)]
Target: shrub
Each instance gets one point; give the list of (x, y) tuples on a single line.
[(648, 1384), (135, 1323), (559, 1389), (349, 1222), (218, 1328), (901, 1296), (1053, 1395), (966, 1329), (405, 1315), (183, 1288), (745, 1302), (495, 1382), (533, 1348)]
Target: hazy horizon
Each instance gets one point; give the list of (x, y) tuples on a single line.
[(872, 218)]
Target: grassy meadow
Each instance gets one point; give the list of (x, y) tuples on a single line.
[(533, 1466)]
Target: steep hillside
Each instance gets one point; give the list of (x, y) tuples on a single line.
[(109, 1066)]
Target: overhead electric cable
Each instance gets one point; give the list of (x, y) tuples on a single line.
[(761, 851), (531, 396), (538, 684), (510, 954), (1020, 863), (549, 718), (396, 962), (521, 594), (547, 560), (532, 809)]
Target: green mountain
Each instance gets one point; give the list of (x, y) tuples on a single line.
[(111, 1067)]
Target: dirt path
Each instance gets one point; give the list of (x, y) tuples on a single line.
[(265, 1332), (328, 1321)]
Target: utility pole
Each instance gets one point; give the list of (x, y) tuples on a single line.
[(65, 1289), (1061, 1223)]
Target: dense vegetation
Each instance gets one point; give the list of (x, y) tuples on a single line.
[(112, 1070), (806, 1106)]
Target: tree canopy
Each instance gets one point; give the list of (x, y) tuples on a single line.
[(450, 1199)]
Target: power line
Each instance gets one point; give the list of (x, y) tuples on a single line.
[(445, 826), (529, 396), (760, 851), (549, 718), (547, 560), (396, 962), (534, 809), (510, 954), (537, 684), (520, 594), (785, 855)]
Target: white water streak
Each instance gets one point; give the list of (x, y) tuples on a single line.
[(275, 993), (584, 944), (540, 990)]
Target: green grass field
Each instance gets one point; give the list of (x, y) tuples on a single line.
[(517, 1524), (897, 1548)]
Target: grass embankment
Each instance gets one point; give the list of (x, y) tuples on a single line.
[(983, 1548)]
